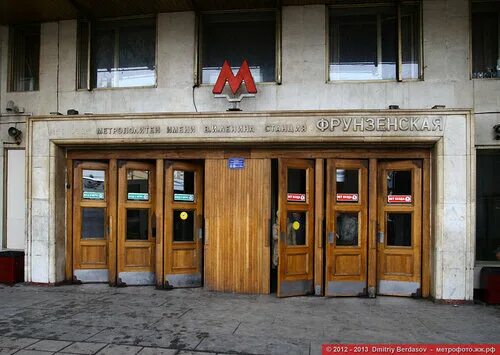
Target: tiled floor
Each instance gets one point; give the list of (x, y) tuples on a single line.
[(97, 319)]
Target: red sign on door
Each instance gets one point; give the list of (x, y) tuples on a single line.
[(347, 197), (399, 199), (296, 197)]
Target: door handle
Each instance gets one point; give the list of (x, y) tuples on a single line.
[(331, 237), (153, 225), (380, 237), (321, 233), (269, 232), (206, 231), (110, 228), (200, 227)]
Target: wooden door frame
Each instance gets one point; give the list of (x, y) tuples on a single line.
[(182, 278), (373, 154), (160, 208), (346, 285), (295, 285), (69, 221), (415, 208), (123, 205), (113, 223), (71, 209)]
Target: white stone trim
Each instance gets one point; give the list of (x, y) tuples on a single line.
[(452, 205)]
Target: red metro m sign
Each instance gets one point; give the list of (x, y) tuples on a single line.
[(226, 76)]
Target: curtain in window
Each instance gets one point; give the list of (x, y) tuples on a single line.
[(24, 49)]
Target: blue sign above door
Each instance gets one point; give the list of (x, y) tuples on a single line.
[(236, 163)]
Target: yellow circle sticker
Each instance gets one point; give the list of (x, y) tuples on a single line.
[(184, 216), (296, 225)]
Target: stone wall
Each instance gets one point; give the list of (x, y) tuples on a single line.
[(446, 52), (449, 132), (304, 71)]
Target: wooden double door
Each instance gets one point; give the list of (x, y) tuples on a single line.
[(358, 223), (371, 231), (137, 223)]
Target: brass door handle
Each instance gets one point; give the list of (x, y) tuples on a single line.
[(206, 232), (380, 237), (269, 232), (200, 227), (153, 225), (110, 228)]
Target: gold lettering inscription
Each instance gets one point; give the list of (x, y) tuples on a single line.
[(146, 130), (380, 124), (286, 128), (229, 129)]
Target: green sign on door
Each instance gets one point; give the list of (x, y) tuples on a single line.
[(92, 195), (184, 197), (138, 196)]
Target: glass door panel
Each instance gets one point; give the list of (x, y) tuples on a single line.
[(136, 223), (90, 222), (399, 228), (183, 224), (347, 227), (296, 227)]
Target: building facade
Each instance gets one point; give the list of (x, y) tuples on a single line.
[(351, 171)]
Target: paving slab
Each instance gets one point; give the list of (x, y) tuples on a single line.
[(254, 345), (16, 343), (83, 348), (56, 331), (113, 349), (160, 351), (48, 345), (90, 319)]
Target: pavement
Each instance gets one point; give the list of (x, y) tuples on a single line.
[(98, 319)]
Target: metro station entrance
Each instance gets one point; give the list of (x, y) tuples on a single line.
[(136, 229), (337, 226), (183, 231), (395, 193), (118, 208)]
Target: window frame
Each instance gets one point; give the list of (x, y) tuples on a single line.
[(90, 60), (4, 238), (10, 59), (486, 150), (399, 51), (471, 65), (198, 62)]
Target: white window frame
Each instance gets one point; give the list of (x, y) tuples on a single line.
[(198, 66), (90, 84), (399, 56), (471, 64)]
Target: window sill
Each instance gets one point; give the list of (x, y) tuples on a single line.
[(120, 88), (266, 83), (487, 263), (480, 79), (21, 92), (372, 81)]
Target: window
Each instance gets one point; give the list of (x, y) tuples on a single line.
[(24, 58), (485, 40), (117, 53), (379, 42), (235, 37), (488, 204)]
